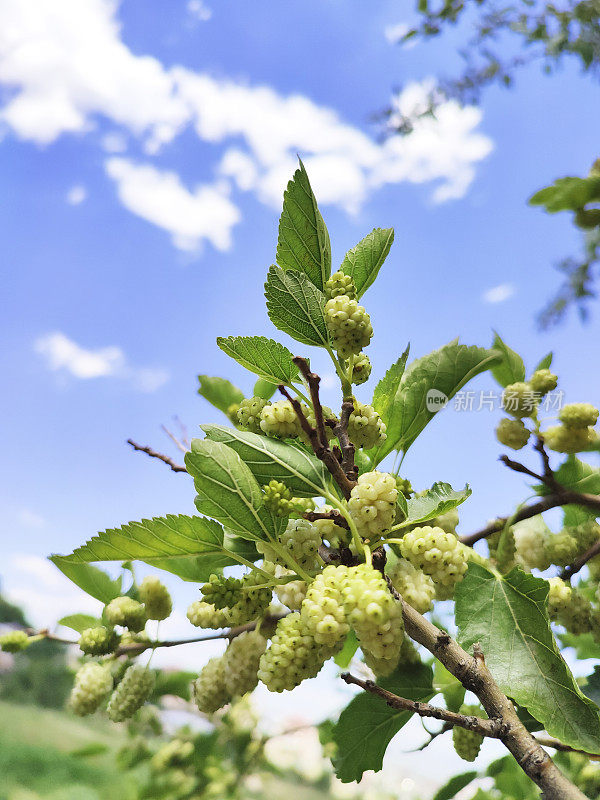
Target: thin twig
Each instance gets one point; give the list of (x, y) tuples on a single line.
[(516, 466), (484, 727), (179, 445), (580, 562), (341, 431), (154, 454), (336, 516), (549, 741), (313, 381)]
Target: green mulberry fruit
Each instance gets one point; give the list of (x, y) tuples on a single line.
[(131, 693), (365, 426), (436, 553), (564, 439), (361, 369), (279, 419), (236, 598), (277, 498), (404, 486), (323, 607), (512, 433), (209, 689), (98, 641), (467, 743), (292, 593), (348, 324), (249, 414), (240, 662), (93, 683), (578, 415), (372, 503), (172, 754), (340, 284), (301, 540), (156, 598), (531, 543), (14, 641), (231, 412), (519, 400), (569, 607), (204, 615), (126, 612), (447, 522), (415, 587), (543, 381), (561, 548), (292, 656)]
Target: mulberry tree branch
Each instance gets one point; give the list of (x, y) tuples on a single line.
[(154, 454)]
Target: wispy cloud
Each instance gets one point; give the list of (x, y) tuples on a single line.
[(76, 195), (199, 10), (393, 33), (62, 354), (30, 519), (67, 67), (498, 294)]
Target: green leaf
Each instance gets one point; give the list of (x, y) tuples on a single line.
[(507, 615), (219, 392), (177, 684), (510, 369), (387, 387), (91, 749), (445, 371), (228, 491), (271, 459), (584, 644), (511, 781), (303, 244), (79, 622), (198, 569), (592, 686), (265, 357), (451, 688), (346, 654), (367, 724), (295, 306), (364, 261), (92, 580), (191, 547), (546, 362), (455, 784), (567, 194), (436, 501), (579, 476), (264, 389)]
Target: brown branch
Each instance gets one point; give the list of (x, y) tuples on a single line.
[(472, 672), (580, 562), (341, 431), (564, 498), (516, 466), (313, 381), (484, 727), (322, 452), (549, 741), (154, 454), (179, 445), (334, 515)]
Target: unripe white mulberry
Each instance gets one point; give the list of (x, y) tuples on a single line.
[(365, 426), (302, 540), (437, 553), (323, 607), (131, 693), (519, 400), (373, 613), (126, 612), (561, 548), (578, 415), (416, 588), (93, 683), (543, 381), (172, 754), (447, 522), (340, 284), (563, 439), (569, 608), (279, 419), (293, 655), (467, 743), (98, 641), (156, 598), (277, 498), (382, 667), (209, 689), (512, 433), (348, 324), (14, 641), (291, 593), (530, 543), (372, 503), (249, 414), (361, 369), (240, 662), (205, 615)]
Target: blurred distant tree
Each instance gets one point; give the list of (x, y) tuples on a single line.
[(501, 40)]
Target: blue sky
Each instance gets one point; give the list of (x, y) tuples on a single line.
[(144, 149)]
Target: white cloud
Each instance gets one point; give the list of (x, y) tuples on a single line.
[(199, 10), (393, 33), (44, 592), (63, 354), (66, 68), (498, 294), (76, 195), (160, 198), (30, 519)]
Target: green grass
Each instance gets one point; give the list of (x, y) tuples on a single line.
[(37, 749)]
